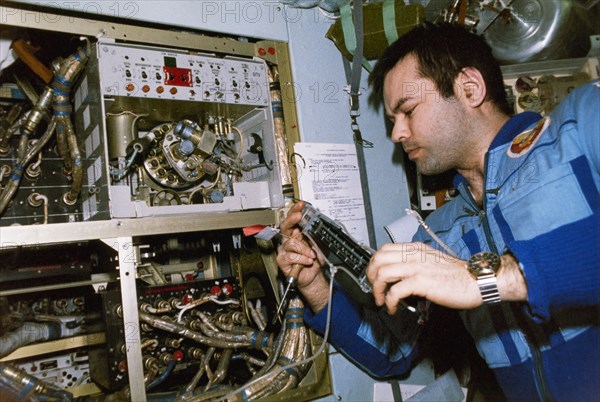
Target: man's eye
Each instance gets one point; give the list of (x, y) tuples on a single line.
[(409, 112)]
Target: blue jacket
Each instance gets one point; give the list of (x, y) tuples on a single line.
[(542, 204)]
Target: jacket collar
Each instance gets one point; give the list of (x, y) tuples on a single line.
[(513, 127)]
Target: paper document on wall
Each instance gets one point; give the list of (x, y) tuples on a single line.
[(329, 178)]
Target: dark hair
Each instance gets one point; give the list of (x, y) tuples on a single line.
[(442, 51)]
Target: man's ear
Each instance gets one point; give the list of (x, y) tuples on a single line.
[(470, 87)]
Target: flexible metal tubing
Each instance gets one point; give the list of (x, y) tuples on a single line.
[(5, 124), (59, 89), (260, 339), (61, 85), (231, 321), (225, 336), (275, 351), (206, 322), (293, 351), (10, 391), (277, 380), (240, 329), (125, 393), (248, 358), (33, 151), (14, 128), (321, 349), (24, 157), (209, 327), (192, 393), (221, 371), (256, 316), (190, 396), (77, 164), (29, 332), (215, 392), (269, 363), (62, 146), (187, 333), (214, 338), (24, 386), (192, 385), (55, 395)]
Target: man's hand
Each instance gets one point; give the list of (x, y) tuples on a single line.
[(311, 280), (400, 270)]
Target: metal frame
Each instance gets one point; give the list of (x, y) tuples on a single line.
[(65, 232), (48, 19), (119, 233)]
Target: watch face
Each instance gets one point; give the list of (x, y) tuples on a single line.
[(484, 263)]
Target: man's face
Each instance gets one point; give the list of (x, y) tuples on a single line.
[(428, 126)]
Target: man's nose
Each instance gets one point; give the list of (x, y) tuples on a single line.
[(400, 130)]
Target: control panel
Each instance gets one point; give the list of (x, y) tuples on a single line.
[(166, 74)]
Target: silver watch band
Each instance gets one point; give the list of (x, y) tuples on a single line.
[(488, 286)]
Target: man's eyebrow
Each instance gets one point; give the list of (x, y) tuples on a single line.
[(397, 107), (399, 104)]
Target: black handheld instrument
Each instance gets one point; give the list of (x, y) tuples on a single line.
[(341, 249)]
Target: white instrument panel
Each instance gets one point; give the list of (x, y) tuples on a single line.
[(167, 74)]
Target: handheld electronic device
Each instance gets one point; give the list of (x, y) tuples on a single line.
[(340, 248)]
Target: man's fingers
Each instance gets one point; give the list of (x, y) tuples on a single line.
[(382, 277), (288, 258), (397, 293), (388, 267), (293, 217), (290, 223), (394, 259), (297, 244), (295, 251)]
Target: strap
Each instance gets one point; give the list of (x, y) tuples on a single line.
[(348, 27), (352, 27), (357, 56), (353, 39), (353, 77), (389, 21), (354, 107)]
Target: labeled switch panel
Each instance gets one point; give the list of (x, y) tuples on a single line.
[(167, 74)]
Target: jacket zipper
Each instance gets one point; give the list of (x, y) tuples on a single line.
[(540, 379), (480, 212), (538, 375), (536, 356)]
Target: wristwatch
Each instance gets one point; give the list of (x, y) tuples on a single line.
[(484, 267)]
